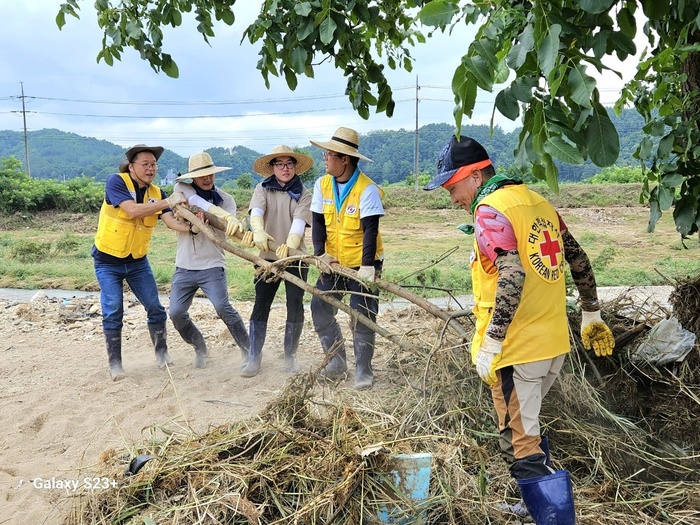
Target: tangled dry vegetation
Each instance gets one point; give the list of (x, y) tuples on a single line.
[(320, 455)]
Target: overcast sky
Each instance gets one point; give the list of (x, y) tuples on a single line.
[(219, 99)]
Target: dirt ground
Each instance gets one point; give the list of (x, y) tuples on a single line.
[(61, 410)]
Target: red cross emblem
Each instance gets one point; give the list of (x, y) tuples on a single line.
[(550, 249)]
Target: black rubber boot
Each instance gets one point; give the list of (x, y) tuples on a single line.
[(332, 341), (292, 333), (363, 344), (237, 329), (191, 335), (159, 337), (258, 331), (114, 354)]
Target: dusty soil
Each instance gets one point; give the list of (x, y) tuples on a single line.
[(61, 410)]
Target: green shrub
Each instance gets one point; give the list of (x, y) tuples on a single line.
[(30, 251)]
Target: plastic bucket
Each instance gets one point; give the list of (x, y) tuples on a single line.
[(410, 474)]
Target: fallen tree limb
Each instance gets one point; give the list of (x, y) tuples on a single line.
[(450, 320), (356, 316)]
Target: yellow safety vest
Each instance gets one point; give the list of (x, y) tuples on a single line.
[(540, 327), (344, 230), (120, 235)]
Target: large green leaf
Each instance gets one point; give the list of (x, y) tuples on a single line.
[(507, 104), (480, 71), (518, 54), (438, 13), (684, 215), (561, 150), (327, 29), (595, 6), (581, 85), (603, 142), (548, 51)]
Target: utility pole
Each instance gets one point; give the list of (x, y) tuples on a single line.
[(26, 144), (415, 143)]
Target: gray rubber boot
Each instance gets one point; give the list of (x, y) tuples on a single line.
[(258, 331), (331, 339), (363, 344), (292, 334), (114, 354), (191, 335), (159, 337)]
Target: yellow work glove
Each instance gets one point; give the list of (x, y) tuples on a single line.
[(293, 242), (595, 334), (233, 225), (487, 358), (366, 273), (260, 236)]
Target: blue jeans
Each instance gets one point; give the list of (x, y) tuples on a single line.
[(139, 277)]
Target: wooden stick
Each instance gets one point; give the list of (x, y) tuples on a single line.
[(388, 286), (356, 316)]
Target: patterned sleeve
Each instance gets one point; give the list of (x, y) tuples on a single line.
[(496, 239), (581, 272)]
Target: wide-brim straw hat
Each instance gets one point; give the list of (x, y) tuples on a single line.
[(134, 150), (200, 165), (345, 141), (263, 167)]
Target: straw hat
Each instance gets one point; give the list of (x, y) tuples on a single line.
[(263, 167), (134, 150), (200, 165), (345, 141)]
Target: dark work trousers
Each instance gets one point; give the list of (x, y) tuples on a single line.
[(323, 314), (265, 294)]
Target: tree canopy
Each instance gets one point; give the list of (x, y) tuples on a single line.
[(537, 55)]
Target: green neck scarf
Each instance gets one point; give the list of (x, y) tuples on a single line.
[(495, 182)]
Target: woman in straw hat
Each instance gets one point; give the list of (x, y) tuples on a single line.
[(346, 208), (200, 263), (279, 209)]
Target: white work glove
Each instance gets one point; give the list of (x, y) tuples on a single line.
[(233, 225), (176, 198), (595, 334), (260, 236), (293, 242), (325, 262), (366, 273), (487, 358)]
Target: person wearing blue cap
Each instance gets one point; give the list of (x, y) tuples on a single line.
[(521, 336)]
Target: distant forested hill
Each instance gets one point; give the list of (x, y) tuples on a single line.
[(55, 154)]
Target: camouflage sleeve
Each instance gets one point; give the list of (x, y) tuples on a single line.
[(509, 289), (581, 272)]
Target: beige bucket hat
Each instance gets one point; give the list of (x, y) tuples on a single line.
[(345, 141), (263, 167), (200, 165)]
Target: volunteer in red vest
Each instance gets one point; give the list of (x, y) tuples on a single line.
[(129, 214), (346, 208), (521, 336)]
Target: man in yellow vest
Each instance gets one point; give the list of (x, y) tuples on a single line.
[(129, 213), (522, 334), (346, 207)]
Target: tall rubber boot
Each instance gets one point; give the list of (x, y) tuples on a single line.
[(364, 351), (549, 499), (114, 354), (258, 331), (332, 338), (191, 335), (236, 328), (292, 334), (159, 337)]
